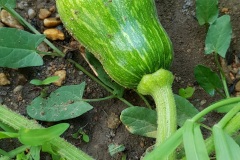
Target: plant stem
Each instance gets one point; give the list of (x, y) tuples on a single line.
[(222, 123), (3, 153), (18, 150), (231, 127), (145, 100), (222, 76), (158, 85), (99, 99), (65, 149), (215, 106)]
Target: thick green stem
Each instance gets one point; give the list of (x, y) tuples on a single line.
[(159, 86), (65, 149)]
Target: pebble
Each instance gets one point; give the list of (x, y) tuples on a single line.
[(31, 13), (113, 121), (202, 102), (51, 22), (3, 80), (9, 20), (237, 86), (225, 10), (54, 34), (22, 5), (17, 89), (43, 47), (62, 76), (44, 13)]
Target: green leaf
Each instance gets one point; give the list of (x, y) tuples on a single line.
[(47, 147), (219, 36), (64, 103), (36, 137), (102, 75), (8, 135), (114, 148), (225, 146), (85, 138), (185, 110), (18, 48), (8, 3), (46, 81), (206, 11), (187, 92), (207, 79), (193, 141), (143, 121), (139, 120), (35, 152)]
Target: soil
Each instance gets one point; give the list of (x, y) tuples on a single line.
[(178, 18)]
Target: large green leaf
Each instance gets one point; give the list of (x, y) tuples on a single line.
[(143, 121), (219, 36), (193, 141), (64, 103), (36, 137), (225, 146), (185, 110), (207, 79), (206, 11), (8, 3), (139, 120), (18, 48)]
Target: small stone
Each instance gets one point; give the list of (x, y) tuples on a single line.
[(44, 13), (54, 34), (237, 86), (113, 121), (22, 5), (202, 102), (43, 47), (21, 79), (3, 80), (17, 89), (9, 20), (62, 76), (31, 13), (52, 9), (225, 10), (51, 22)]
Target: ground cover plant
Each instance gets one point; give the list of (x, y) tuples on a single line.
[(71, 104)]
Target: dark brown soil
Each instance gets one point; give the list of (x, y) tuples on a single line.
[(178, 18)]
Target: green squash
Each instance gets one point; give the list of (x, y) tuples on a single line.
[(124, 35)]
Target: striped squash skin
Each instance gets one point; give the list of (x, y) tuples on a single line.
[(124, 35)]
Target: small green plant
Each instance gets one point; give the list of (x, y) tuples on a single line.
[(82, 134), (46, 81), (114, 149), (35, 138), (187, 92)]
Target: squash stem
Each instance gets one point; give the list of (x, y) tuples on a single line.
[(158, 85)]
